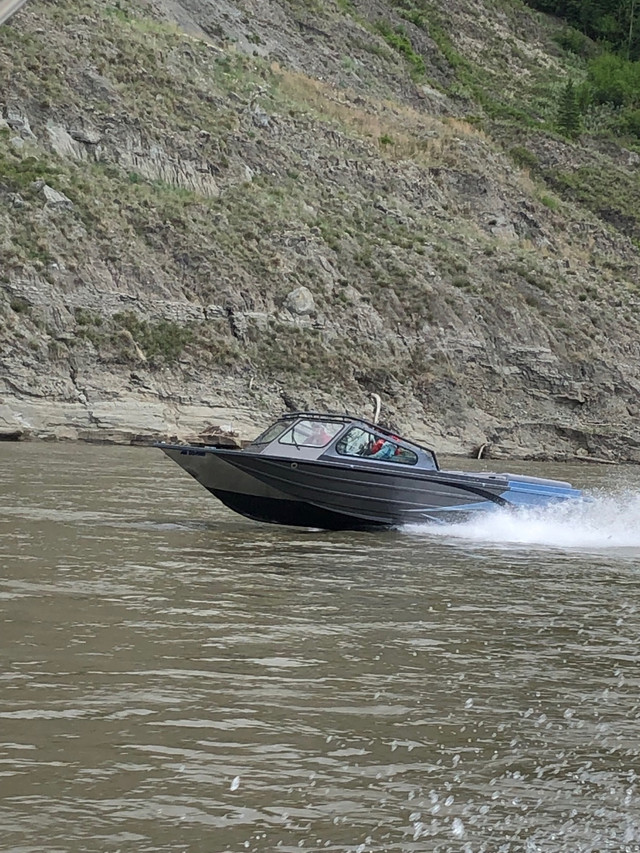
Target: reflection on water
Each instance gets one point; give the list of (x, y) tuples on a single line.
[(177, 678)]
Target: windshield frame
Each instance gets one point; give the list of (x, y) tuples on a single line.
[(311, 432), (265, 437)]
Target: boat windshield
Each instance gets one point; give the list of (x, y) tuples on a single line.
[(270, 433), (361, 442), (311, 433)]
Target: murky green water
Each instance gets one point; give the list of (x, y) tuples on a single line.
[(174, 677)]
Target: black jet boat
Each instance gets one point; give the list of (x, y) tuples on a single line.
[(341, 472)]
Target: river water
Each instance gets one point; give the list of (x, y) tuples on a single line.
[(177, 678)]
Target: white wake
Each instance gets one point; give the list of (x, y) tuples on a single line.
[(603, 521)]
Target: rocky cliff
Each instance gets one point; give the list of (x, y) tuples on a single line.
[(210, 212)]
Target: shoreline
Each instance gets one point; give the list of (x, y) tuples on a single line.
[(234, 418), (215, 436)]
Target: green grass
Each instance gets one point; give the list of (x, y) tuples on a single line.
[(397, 38), (611, 193), (18, 174), (164, 340)]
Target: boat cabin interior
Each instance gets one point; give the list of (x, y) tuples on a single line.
[(309, 435)]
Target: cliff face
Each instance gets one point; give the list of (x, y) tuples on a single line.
[(211, 211)]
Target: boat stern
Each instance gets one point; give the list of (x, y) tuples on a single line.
[(537, 491)]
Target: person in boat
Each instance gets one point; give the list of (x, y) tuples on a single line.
[(383, 449), (318, 436)]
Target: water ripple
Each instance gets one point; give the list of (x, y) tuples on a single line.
[(177, 678)]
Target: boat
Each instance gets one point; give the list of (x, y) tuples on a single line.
[(341, 472)]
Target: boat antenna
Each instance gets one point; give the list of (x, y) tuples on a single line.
[(377, 402), (8, 7)]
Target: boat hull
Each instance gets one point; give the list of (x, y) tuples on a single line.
[(294, 513), (334, 496), (353, 495)]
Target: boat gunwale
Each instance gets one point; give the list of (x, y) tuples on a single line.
[(379, 466)]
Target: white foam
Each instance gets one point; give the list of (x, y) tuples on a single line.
[(601, 522)]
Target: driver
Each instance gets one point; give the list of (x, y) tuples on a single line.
[(319, 436), (384, 449)]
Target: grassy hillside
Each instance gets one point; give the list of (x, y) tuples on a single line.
[(312, 203)]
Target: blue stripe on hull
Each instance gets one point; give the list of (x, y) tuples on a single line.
[(523, 493)]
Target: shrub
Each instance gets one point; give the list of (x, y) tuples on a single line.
[(400, 42), (549, 202), (523, 157), (614, 80), (630, 122), (165, 339), (20, 305), (574, 41)]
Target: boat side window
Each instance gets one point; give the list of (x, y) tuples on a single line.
[(361, 442), (356, 442), (311, 433), (270, 433)]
